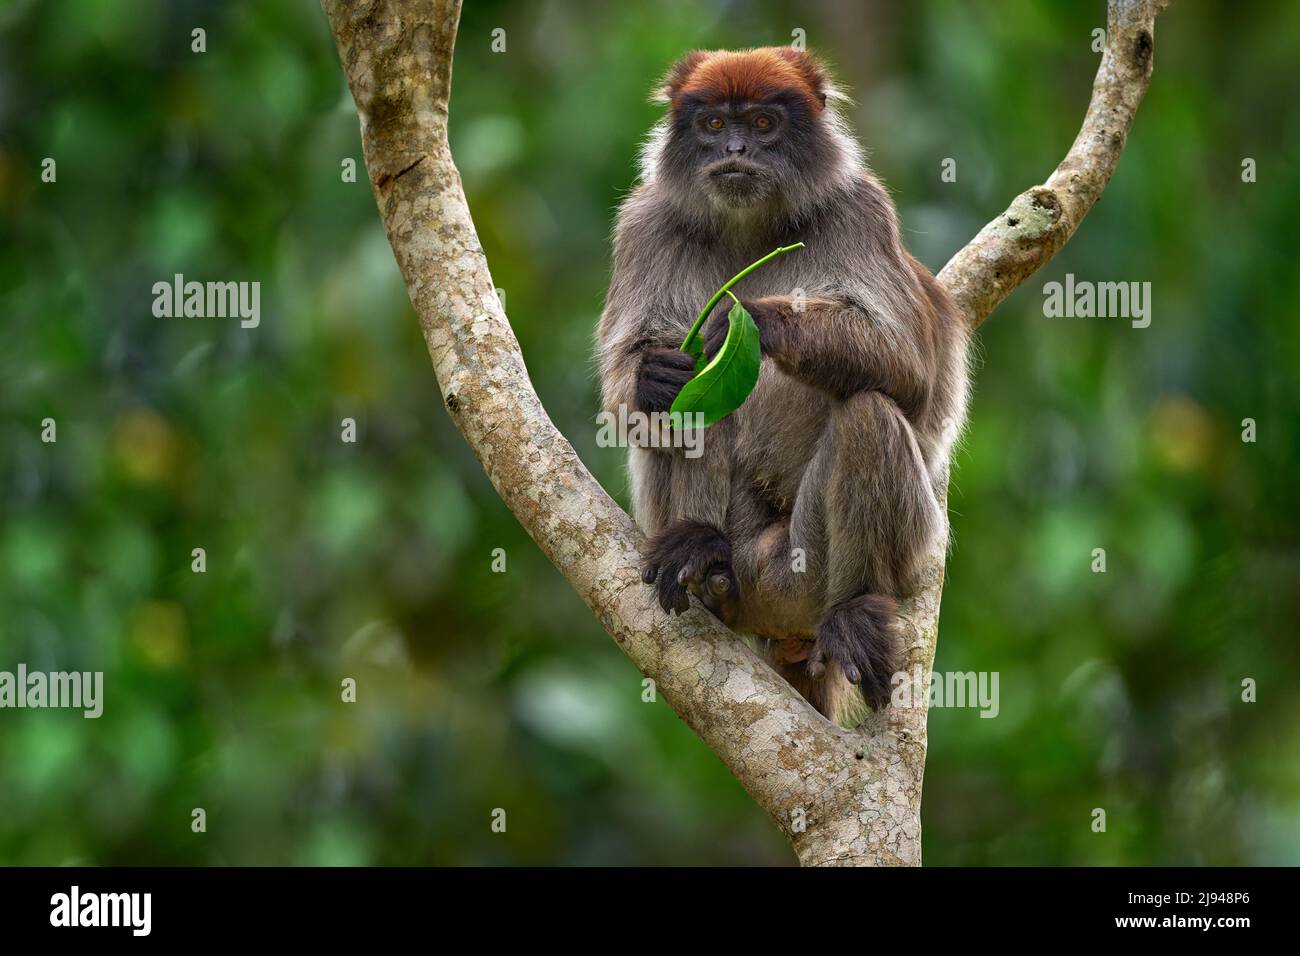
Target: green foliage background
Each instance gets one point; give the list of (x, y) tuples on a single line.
[(479, 690)]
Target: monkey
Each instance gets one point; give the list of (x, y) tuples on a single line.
[(809, 513)]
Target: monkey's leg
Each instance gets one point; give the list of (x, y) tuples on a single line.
[(783, 586), (867, 503), (691, 483), (687, 551)]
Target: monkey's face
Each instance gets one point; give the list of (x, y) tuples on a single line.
[(737, 153), (748, 130)]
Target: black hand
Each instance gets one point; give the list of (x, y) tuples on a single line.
[(766, 318), (691, 557), (661, 376)]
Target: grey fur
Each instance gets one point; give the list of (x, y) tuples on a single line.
[(842, 446)]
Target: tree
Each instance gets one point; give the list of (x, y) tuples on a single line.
[(842, 796)]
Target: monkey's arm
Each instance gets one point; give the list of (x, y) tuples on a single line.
[(641, 368), (841, 347)]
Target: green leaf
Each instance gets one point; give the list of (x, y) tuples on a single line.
[(723, 384), (692, 342)]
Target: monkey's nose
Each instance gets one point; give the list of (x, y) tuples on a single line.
[(735, 147)]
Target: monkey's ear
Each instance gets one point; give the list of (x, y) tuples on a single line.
[(677, 77), (813, 72)]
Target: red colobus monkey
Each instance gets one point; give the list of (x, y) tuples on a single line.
[(811, 507)]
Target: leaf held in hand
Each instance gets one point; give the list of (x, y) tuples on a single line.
[(723, 384)]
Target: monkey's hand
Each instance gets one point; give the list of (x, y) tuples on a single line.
[(661, 375), (766, 315), (691, 557)]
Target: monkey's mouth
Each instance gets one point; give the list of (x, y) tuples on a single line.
[(735, 172), (739, 184)]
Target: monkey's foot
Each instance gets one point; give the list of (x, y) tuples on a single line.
[(861, 635), (691, 557)]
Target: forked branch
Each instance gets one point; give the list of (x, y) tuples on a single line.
[(841, 796)]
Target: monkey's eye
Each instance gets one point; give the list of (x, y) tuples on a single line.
[(717, 122), (763, 123)]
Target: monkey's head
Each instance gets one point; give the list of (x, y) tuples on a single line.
[(749, 129)]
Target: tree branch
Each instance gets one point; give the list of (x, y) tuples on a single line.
[(841, 796), (1040, 220)]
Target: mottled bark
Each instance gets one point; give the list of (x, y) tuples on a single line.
[(843, 797)]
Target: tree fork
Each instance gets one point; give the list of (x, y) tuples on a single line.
[(842, 797)]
